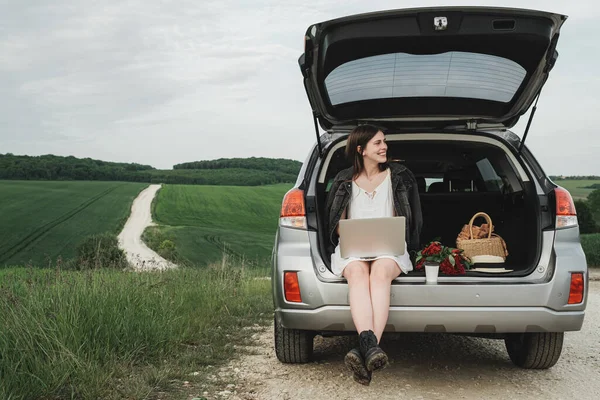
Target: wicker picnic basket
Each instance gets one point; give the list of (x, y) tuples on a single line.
[(493, 245)]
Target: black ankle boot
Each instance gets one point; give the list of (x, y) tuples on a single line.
[(356, 363), (375, 358)]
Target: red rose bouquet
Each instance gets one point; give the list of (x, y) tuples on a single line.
[(452, 261)]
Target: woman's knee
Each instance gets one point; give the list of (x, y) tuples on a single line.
[(356, 270), (384, 270)]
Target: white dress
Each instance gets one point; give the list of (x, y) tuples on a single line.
[(377, 204)]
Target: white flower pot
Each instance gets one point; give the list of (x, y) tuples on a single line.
[(432, 271)]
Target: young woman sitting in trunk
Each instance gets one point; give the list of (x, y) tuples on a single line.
[(371, 188)]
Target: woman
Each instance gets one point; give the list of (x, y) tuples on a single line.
[(371, 188)]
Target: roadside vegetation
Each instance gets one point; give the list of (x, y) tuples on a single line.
[(108, 334), (43, 223), (588, 217)]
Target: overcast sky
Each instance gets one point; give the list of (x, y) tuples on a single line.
[(164, 82)]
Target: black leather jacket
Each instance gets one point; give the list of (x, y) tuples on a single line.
[(406, 202)]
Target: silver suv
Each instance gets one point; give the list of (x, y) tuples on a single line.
[(446, 84)]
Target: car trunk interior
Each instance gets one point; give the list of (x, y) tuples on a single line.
[(457, 179)]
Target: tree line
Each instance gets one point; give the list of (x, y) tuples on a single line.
[(593, 186), (236, 173), (51, 167), (257, 163)]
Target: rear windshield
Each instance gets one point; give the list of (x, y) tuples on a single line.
[(452, 74)]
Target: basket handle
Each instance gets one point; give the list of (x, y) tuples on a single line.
[(480, 214)]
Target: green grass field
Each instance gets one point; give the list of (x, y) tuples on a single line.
[(575, 187), (202, 221), (40, 221)]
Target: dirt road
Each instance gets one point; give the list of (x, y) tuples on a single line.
[(139, 255), (423, 366)]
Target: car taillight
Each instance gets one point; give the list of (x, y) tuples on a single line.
[(566, 216), (576, 289), (293, 212), (291, 287)]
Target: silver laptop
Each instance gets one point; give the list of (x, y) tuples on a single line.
[(372, 237)]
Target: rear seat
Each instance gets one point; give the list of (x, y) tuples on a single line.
[(450, 204)]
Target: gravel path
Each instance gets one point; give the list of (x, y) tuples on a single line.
[(139, 255), (423, 366)]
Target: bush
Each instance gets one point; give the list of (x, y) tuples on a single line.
[(167, 249), (162, 244), (587, 223), (591, 248), (100, 251), (594, 201)]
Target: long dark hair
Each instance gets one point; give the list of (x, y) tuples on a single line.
[(360, 136)]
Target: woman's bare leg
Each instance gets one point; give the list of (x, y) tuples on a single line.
[(357, 275), (383, 271)]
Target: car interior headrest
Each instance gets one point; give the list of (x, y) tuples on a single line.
[(438, 187), (459, 181)]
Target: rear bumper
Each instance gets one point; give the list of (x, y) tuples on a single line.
[(536, 303), (439, 319)]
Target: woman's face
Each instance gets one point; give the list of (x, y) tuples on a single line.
[(376, 149)]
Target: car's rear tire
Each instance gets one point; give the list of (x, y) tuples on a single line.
[(534, 350), (293, 345)]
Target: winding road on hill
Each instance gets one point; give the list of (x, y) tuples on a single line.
[(139, 255)]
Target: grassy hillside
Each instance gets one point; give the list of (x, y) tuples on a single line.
[(40, 221), (202, 221), (576, 187)]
